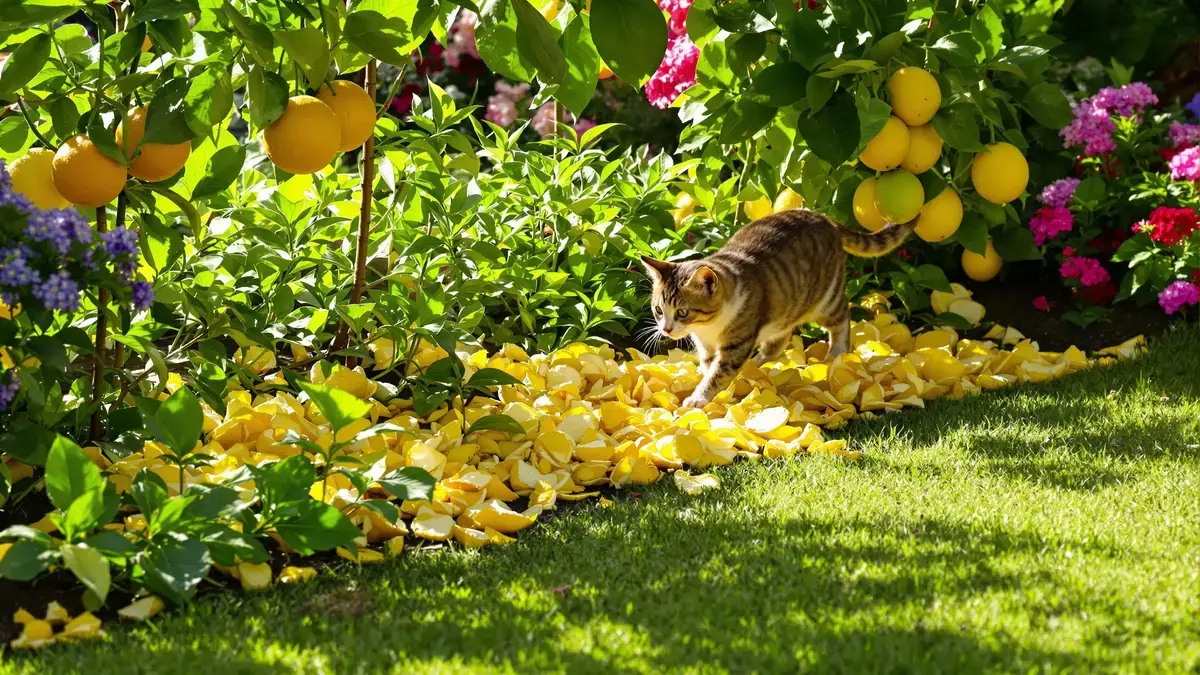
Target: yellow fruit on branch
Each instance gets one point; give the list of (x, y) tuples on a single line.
[(1000, 173), (864, 206), (84, 175), (899, 196), (354, 109), (914, 94), (151, 162), (982, 267), (940, 217), (924, 149), (305, 138), (788, 199), (32, 176), (757, 208), (889, 147)]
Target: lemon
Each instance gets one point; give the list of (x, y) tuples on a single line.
[(899, 196), (982, 267), (153, 161), (1000, 173), (305, 138), (864, 206), (31, 175), (84, 175), (354, 109), (924, 149), (758, 208), (685, 206), (788, 199), (940, 217), (914, 95), (888, 148)]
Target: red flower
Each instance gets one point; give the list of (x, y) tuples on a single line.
[(1099, 295), (1041, 304), (1068, 251), (1196, 276), (1169, 226), (403, 102), (1168, 154), (433, 61), (904, 255)]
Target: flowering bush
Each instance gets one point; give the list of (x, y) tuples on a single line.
[(50, 261), (1134, 202)]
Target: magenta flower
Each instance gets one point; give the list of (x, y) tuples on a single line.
[(1088, 271), (675, 74), (1041, 304), (583, 125), (1059, 192), (1186, 165), (1093, 125), (678, 9), (1174, 297), (1049, 222), (1183, 135)]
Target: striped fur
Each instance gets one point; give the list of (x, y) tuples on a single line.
[(746, 299)]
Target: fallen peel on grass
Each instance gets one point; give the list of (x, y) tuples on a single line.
[(589, 421)]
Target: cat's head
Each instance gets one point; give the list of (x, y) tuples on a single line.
[(686, 295)]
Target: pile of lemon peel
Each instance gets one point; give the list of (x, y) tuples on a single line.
[(37, 633), (590, 422)]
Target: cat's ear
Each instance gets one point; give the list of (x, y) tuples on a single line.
[(657, 269), (704, 280)]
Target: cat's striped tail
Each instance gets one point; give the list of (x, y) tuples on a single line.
[(878, 243)]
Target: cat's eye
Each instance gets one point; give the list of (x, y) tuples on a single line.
[(657, 310), (681, 314)]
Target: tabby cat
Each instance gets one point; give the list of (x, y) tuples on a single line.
[(773, 274)]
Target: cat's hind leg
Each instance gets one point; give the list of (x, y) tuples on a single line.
[(836, 321), (771, 346)]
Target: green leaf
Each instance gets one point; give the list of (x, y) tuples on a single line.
[(1047, 104), (539, 44), (988, 32), (111, 544), (89, 511), (818, 91), (14, 132), (932, 277), (958, 128), (954, 321), (255, 36), (744, 120), (779, 85), (390, 30), (808, 39), (175, 565), (887, 46), (27, 442), (285, 481), (149, 492), (339, 407), (309, 526), (873, 114), (153, 10), (1091, 192), (932, 183), (27, 559), (223, 168), (1130, 248), (307, 47), (228, 546), (583, 66), (631, 36), (958, 49), (973, 233), (1016, 243), (209, 100), (409, 482), (90, 567), (497, 423), (833, 133), (180, 421), (166, 115), (70, 473), (496, 41), (491, 377), (24, 63), (268, 97), (104, 141)]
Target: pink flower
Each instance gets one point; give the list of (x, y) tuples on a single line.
[(1049, 222), (675, 74), (1128, 101), (1093, 125), (543, 120), (1068, 251), (514, 92), (462, 39), (1041, 304), (501, 110), (1184, 134), (1186, 165), (1088, 271), (583, 125), (1174, 297), (404, 99), (1059, 192), (678, 9)]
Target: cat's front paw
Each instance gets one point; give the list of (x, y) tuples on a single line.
[(695, 401)]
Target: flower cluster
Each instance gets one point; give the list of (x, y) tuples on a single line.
[(462, 39), (1194, 106), (1174, 297), (1093, 125), (9, 386), (1088, 271), (1184, 135), (677, 71), (502, 105), (1169, 226), (544, 123), (1186, 165), (1059, 192), (1049, 222)]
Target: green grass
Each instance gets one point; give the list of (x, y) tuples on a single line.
[(1047, 528)]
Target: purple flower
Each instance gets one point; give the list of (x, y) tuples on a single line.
[(143, 295), (1093, 125), (1049, 222), (120, 241), (9, 386), (15, 270), (1194, 106), (1174, 297), (59, 292), (1059, 192), (1184, 134), (1186, 165), (60, 227)]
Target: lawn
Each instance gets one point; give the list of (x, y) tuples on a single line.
[(1051, 527)]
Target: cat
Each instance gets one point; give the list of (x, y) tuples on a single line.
[(772, 275)]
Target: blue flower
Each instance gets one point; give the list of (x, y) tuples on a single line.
[(60, 292), (9, 386), (120, 241), (15, 269), (143, 295)]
